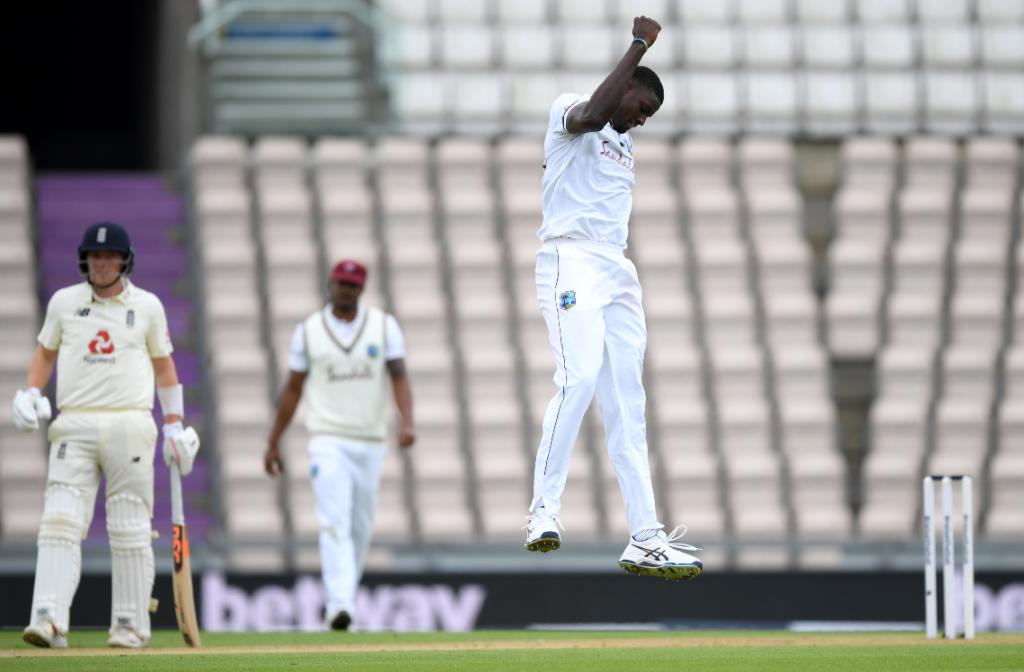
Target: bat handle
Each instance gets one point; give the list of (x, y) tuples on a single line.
[(177, 507)]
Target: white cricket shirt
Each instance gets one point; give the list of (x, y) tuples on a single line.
[(346, 385), (105, 347), (587, 188)]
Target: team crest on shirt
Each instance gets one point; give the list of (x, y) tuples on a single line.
[(373, 351), (313, 471), (567, 299)]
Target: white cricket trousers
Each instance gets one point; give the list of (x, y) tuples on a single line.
[(346, 479), (83, 446), (590, 298)]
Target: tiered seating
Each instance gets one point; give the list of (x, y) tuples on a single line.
[(22, 456), (789, 66), (229, 252), (946, 323), (408, 210)]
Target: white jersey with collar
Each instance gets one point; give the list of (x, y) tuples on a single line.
[(587, 188), (105, 346)]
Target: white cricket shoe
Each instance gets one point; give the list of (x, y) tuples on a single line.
[(662, 555), (45, 635), (123, 637), (542, 533)]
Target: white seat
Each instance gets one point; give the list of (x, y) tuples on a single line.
[(947, 46), (1002, 46), (869, 162), (790, 319), (951, 102), (925, 212), (590, 46), (714, 102), (466, 46), (582, 12), (712, 217), (708, 46), (882, 11), (915, 319), (976, 320), (888, 46), (890, 101), (412, 46), (529, 46), (906, 372), (961, 437), (831, 101), (768, 46), (800, 372), (897, 435), (699, 11), (968, 372), (814, 11), (986, 214), (453, 11), (919, 266), (530, 12), (943, 11), (1004, 102), (980, 267), (1000, 11), (862, 213), (771, 102), (763, 11), (775, 214), (739, 371), (852, 319), (990, 163), (856, 266), (827, 45), (930, 161)]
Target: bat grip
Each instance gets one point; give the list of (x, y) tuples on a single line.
[(177, 508)]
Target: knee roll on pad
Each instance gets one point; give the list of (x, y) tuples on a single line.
[(128, 523), (63, 514)]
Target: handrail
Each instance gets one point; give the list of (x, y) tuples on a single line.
[(227, 12)]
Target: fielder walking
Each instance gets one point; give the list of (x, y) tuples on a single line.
[(340, 355), (590, 298), (110, 342)]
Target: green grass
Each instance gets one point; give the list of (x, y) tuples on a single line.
[(523, 650)]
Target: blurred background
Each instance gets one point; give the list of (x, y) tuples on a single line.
[(826, 224)]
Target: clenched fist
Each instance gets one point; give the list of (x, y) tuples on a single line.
[(646, 29)]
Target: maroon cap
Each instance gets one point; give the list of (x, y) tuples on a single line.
[(349, 270)]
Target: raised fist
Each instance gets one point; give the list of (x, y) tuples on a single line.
[(646, 29)]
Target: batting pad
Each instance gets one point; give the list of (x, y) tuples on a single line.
[(59, 561), (130, 532)]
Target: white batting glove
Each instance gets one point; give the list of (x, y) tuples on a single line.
[(29, 408), (180, 446)]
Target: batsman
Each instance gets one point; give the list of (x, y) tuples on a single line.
[(110, 343)]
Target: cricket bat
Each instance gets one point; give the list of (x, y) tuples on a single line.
[(184, 600)]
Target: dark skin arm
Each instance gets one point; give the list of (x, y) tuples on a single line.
[(403, 399), (290, 397), (598, 111), (292, 394)]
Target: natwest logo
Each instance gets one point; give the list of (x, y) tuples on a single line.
[(101, 343)]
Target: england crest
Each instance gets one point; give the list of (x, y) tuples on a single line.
[(567, 299)]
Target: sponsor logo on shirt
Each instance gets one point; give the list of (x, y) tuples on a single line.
[(82, 312), (100, 345), (356, 373), (613, 154), (373, 350)]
